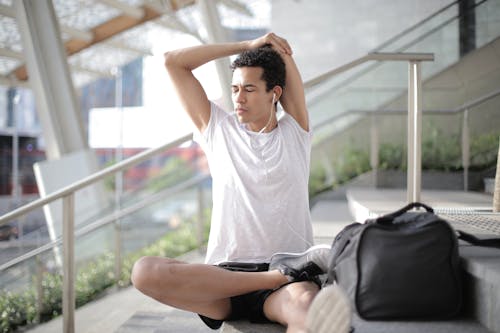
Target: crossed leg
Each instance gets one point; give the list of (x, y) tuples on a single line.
[(206, 289), (290, 304)]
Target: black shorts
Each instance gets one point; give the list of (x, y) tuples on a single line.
[(248, 306)]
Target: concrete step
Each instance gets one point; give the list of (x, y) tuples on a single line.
[(460, 325), (242, 326)]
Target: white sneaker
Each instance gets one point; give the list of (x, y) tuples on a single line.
[(330, 312), (318, 254)]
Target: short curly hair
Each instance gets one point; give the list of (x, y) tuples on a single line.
[(274, 72)]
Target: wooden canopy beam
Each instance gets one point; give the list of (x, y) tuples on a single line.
[(100, 33)]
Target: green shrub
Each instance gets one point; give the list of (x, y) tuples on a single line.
[(484, 150), (317, 179), (352, 163), (443, 153), (392, 157), (19, 309), (440, 151), (16, 310)]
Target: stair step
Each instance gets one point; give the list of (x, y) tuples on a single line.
[(482, 284), (461, 325), (242, 326)]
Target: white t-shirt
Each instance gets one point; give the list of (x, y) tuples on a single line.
[(260, 189)]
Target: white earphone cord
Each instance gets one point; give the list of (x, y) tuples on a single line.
[(298, 234), (270, 115), (286, 221)]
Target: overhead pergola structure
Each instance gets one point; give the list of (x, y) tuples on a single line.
[(100, 35)]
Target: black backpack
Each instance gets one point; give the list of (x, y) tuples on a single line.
[(404, 265)]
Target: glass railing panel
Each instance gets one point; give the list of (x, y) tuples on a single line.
[(377, 86), (484, 128), (169, 227), (162, 210), (170, 213), (22, 235), (423, 28), (438, 35), (382, 137), (366, 91), (487, 22), (30, 291)]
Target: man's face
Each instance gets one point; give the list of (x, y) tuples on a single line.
[(252, 103)]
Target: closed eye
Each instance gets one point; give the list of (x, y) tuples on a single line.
[(247, 88)]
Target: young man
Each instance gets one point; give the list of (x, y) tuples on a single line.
[(260, 169)]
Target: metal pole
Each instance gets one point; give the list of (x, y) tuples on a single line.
[(496, 190), (414, 131), (39, 288), (118, 175), (15, 151), (374, 144), (68, 263), (466, 148), (201, 227)]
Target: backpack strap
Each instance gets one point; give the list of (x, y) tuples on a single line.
[(470, 238), (338, 246)]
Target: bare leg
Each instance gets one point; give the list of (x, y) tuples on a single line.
[(289, 305), (199, 288)]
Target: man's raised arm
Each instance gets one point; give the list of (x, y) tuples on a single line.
[(293, 98), (181, 63)]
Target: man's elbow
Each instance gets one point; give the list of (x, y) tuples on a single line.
[(167, 57), (171, 60)]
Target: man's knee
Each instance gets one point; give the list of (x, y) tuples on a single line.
[(304, 296), (139, 275), (147, 271), (290, 304)]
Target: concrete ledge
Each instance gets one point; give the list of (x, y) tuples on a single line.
[(462, 325), (242, 326), (482, 284), (459, 325)]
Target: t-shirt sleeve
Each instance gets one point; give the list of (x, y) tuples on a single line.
[(305, 136), (206, 138)]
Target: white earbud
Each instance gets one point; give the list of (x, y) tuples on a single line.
[(274, 97)]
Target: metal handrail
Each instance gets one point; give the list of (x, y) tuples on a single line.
[(415, 26), (113, 216), (462, 108), (374, 56), (465, 141), (120, 166)]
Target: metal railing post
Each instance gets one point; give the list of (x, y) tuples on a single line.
[(201, 217), (414, 131), (39, 288), (374, 143), (117, 231), (466, 148), (68, 309)]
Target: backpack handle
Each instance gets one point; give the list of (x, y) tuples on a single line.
[(388, 218)]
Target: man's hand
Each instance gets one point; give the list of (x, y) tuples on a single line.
[(277, 43)]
